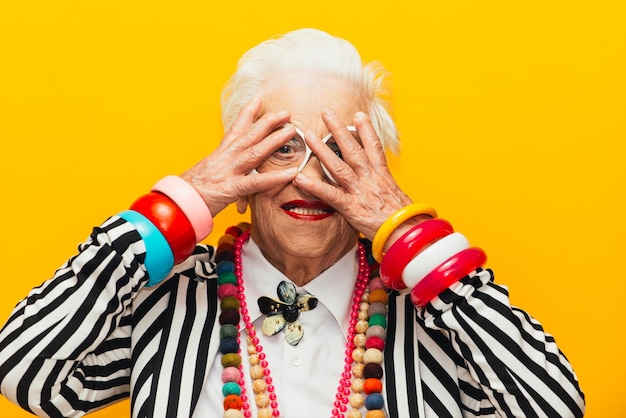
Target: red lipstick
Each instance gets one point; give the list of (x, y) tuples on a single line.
[(307, 211)]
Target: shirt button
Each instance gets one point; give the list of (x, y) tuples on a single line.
[(296, 361)]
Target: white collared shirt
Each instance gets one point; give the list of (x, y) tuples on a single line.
[(305, 376)]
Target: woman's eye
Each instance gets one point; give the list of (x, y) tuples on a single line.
[(285, 149)]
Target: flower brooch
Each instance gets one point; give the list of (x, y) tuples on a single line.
[(283, 313)]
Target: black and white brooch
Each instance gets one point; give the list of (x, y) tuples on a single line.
[(283, 314)]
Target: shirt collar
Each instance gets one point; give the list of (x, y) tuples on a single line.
[(334, 287)]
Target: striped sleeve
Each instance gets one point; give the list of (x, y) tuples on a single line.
[(507, 358), (65, 349)]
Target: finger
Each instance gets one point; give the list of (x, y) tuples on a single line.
[(342, 173), (250, 128), (351, 149), (246, 116), (253, 154), (334, 196), (369, 140), (261, 182)]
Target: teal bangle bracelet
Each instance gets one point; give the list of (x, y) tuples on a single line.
[(159, 257)]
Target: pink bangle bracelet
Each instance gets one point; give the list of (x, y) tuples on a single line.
[(449, 272), (408, 246), (189, 202)]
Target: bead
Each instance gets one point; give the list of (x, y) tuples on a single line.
[(375, 414), (228, 331), (244, 226), (354, 413), (264, 413), (378, 319), (357, 385), (224, 266), (262, 400), (373, 355), (253, 359), (228, 345), (374, 401), (373, 370), (228, 249), (229, 316), (377, 308), (357, 370), (256, 372), (357, 355), (372, 386), (259, 385), (230, 302), (231, 388), (233, 413), (226, 277), (231, 360), (376, 283), (376, 331), (360, 340), (379, 295), (357, 400), (232, 402), (361, 326), (224, 256), (226, 239), (230, 374), (375, 342), (226, 290)]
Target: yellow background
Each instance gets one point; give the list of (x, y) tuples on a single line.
[(512, 114)]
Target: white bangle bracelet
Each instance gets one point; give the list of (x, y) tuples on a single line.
[(431, 257)]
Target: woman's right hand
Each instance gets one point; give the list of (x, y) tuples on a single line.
[(223, 177)]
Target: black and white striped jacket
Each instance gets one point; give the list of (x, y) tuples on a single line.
[(93, 335)]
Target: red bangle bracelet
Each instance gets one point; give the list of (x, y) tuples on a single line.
[(450, 271), (170, 220), (407, 247)]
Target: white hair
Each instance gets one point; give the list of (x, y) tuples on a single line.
[(314, 51)]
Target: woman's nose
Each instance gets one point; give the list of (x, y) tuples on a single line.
[(313, 168)]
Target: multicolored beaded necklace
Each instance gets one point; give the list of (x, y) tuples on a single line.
[(360, 383)]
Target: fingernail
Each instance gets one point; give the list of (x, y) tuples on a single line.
[(359, 115), (282, 113)]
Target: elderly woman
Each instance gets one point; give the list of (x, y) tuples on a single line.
[(343, 297)]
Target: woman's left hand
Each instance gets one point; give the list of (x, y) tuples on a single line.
[(366, 193)]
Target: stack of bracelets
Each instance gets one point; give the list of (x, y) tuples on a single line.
[(428, 258), (170, 219)]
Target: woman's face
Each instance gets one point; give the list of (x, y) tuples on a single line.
[(287, 221)]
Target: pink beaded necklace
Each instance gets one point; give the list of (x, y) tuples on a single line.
[(360, 382)]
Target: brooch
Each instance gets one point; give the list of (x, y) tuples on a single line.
[(283, 313)]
